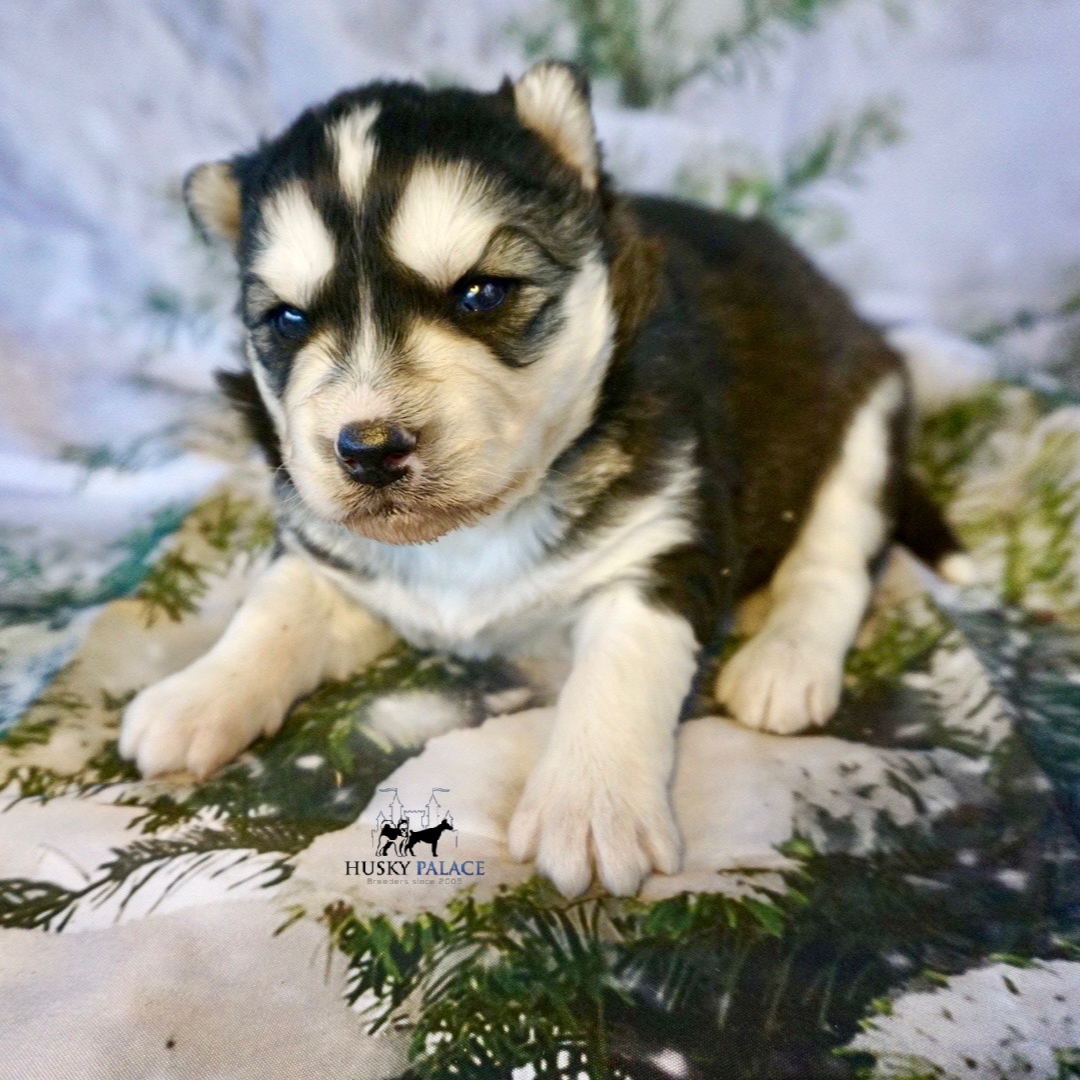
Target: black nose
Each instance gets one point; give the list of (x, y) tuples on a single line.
[(374, 454)]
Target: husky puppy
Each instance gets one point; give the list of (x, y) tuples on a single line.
[(510, 411)]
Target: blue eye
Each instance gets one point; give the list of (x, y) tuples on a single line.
[(478, 295), (289, 322)]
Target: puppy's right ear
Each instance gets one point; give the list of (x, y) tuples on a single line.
[(212, 194)]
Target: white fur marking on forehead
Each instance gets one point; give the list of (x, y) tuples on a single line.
[(444, 221), (550, 102), (354, 148), (296, 248)]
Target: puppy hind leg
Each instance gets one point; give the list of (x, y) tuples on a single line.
[(789, 675)]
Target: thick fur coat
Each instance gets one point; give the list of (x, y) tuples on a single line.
[(510, 411)]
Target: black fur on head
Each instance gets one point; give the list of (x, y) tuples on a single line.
[(365, 220)]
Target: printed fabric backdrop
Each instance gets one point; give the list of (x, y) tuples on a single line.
[(897, 897)]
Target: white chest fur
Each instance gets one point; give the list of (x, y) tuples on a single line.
[(498, 587)]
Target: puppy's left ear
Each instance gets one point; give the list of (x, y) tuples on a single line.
[(552, 99), (212, 194)]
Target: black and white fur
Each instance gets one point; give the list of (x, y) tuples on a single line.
[(671, 412)]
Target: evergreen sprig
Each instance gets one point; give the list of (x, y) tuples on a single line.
[(528, 975), (637, 45), (832, 154), (42, 905), (791, 195), (224, 528), (1027, 319)]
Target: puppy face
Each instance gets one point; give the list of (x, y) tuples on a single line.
[(426, 295)]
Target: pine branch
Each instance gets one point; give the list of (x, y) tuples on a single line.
[(528, 975), (833, 155), (638, 48), (220, 531), (41, 905), (34, 905), (1027, 319)]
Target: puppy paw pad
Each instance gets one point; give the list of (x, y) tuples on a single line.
[(620, 831), (196, 720), (781, 685)]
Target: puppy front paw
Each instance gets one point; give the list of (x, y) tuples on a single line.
[(779, 684), (569, 817), (198, 719)]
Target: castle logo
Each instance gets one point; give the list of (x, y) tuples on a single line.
[(399, 830), (406, 844)]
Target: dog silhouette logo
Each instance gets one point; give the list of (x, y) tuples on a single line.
[(406, 846), (399, 831), (428, 836), (395, 836)]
